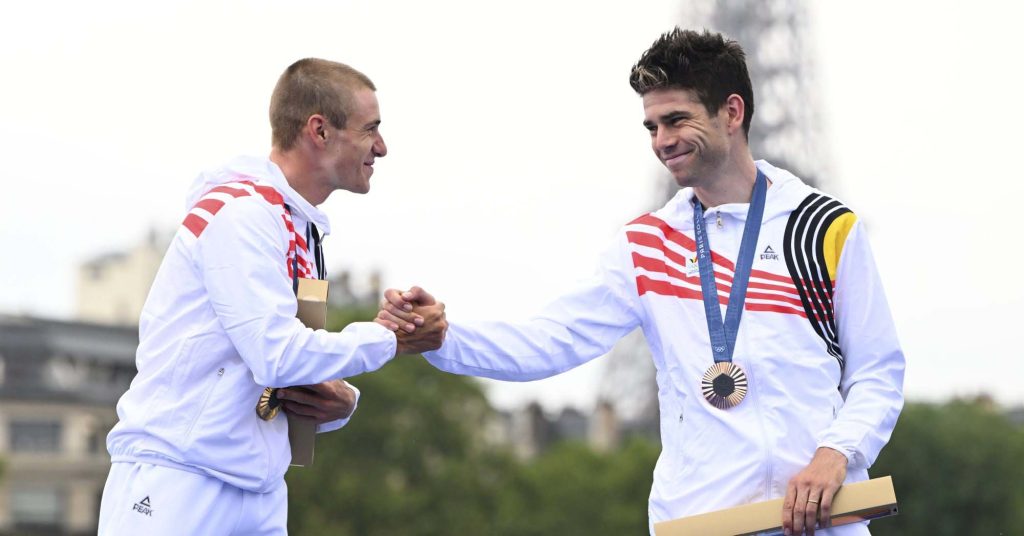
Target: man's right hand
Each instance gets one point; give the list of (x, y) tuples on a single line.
[(417, 319)]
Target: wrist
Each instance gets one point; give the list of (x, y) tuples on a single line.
[(832, 454)]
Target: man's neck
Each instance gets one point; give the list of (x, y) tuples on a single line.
[(298, 175), (735, 185)]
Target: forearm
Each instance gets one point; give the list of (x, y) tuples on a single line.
[(281, 352), (521, 352), (576, 327), (872, 382), (865, 423)]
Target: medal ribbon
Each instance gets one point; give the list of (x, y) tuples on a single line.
[(723, 335), (314, 248)]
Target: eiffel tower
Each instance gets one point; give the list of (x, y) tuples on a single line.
[(786, 130)]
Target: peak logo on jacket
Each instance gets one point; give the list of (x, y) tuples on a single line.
[(769, 254), (144, 507)]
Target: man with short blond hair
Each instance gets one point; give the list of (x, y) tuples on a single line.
[(190, 453)]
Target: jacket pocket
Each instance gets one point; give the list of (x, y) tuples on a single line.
[(689, 448), (210, 385)]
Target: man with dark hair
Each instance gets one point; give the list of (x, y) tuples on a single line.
[(190, 453), (798, 388)]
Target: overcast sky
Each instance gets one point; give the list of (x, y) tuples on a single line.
[(515, 150)]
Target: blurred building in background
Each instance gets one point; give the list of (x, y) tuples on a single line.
[(529, 431), (59, 382), (113, 287)]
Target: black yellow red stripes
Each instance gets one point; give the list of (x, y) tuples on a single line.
[(813, 239)]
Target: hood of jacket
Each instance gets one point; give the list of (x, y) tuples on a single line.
[(785, 192), (261, 169)]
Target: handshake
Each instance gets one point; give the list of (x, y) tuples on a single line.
[(416, 318)]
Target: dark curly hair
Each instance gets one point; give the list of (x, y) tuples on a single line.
[(707, 63)]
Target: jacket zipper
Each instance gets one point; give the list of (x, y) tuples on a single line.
[(764, 439)]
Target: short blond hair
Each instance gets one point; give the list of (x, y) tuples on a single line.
[(312, 86)]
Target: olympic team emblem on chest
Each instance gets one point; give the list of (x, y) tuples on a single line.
[(692, 268)]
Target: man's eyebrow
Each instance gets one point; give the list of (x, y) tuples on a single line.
[(669, 117), (673, 115), (372, 124)]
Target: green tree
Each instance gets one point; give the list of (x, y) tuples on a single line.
[(957, 469), (572, 490)]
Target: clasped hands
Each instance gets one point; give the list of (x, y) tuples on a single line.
[(416, 318), (419, 324)]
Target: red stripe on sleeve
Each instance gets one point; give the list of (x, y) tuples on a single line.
[(271, 195), (651, 241), (667, 230), (210, 205), (658, 265), (195, 224), (233, 192)]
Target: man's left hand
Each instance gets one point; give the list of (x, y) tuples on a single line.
[(321, 403), (811, 489)]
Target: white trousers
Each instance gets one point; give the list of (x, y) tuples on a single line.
[(141, 498)]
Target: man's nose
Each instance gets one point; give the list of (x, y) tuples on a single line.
[(379, 147), (664, 139)]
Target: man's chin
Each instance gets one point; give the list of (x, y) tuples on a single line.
[(683, 179), (360, 185), (356, 188)]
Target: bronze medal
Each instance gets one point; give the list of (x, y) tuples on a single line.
[(269, 405), (724, 385)]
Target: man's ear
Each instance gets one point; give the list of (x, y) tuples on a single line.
[(735, 109), (316, 129)]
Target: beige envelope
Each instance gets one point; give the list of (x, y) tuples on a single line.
[(860, 501)]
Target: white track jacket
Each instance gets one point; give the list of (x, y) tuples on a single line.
[(219, 325), (816, 340)]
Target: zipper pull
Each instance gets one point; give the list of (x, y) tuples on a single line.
[(719, 220)]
